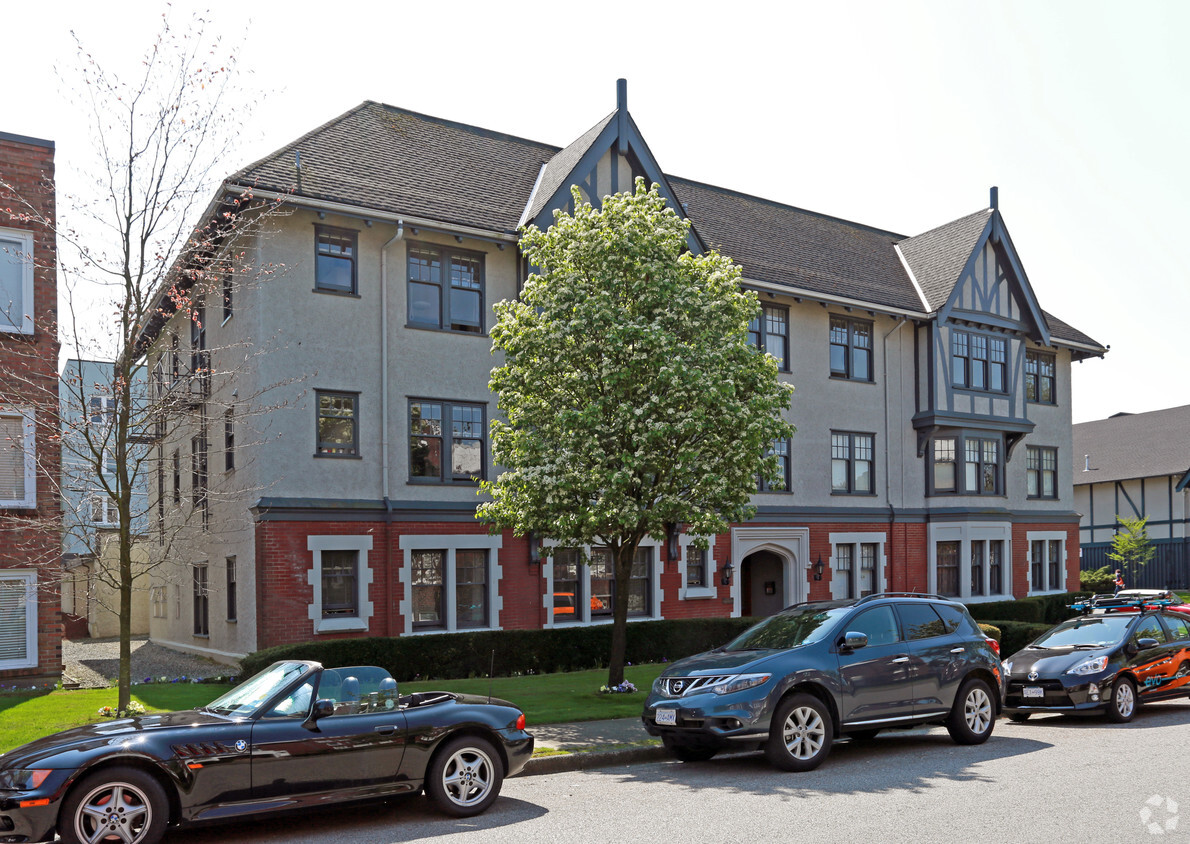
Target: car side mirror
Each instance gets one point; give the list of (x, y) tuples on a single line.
[(853, 641), (1131, 648), (323, 707), (1146, 643)]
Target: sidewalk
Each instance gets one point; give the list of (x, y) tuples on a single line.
[(592, 744)]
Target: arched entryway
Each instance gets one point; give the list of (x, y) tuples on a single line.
[(762, 584)]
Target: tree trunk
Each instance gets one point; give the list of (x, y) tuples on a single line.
[(623, 572), (125, 675)]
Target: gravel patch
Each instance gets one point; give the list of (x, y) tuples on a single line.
[(95, 663)]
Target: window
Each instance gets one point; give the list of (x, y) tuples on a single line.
[(471, 588), (229, 442), (229, 282), (1047, 561), (102, 410), (199, 363), (18, 478), (1178, 626), (428, 593), (603, 583), (920, 621), (1040, 385), (879, 624), (852, 462), (160, 601), (103, 509), (696, 567), (977, 567), (844, 569), (340, 584), (340, 577), (769, 332), (160, 494), (855, 564), (948, 569), (568, 593), (202, 625), (16, 282), (231, 588), (979, 362), (445, 288), (334, 263), (996, 566), (781, 450), (851, 349), (1041, 471), (444, 453), (177, 473), (18, 619), (338, 424), (1148, 628), (198, 479), (981, 465)]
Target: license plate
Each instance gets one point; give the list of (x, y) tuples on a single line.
[(1034, 691), (667, 716)]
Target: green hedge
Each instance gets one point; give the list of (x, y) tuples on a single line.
[(509, 652), (1040, 609), (1014, 635)]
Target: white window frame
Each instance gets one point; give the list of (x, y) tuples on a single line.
[(966, 533), (856, 540), (110, 516), (29, 577), (450, 544), (583, 609), (1045, 536), (30, 455), (696, 593), (316, 545), (25, 238)]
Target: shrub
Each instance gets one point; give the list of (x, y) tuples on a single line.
[(1014, 635), (1026, 609), (989, 630), (449, 656), (1098, 580)]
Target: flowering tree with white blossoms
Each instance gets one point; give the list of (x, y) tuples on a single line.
[(634, 401)]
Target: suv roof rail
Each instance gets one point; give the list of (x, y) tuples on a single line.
[(876, 595), (1110, 603)]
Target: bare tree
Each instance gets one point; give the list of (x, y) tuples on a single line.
[(145, 245)]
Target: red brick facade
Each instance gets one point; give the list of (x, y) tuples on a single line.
[(30, 538)]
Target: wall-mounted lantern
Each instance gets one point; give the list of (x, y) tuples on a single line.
[(725, 577), (672, 551), (818, 567), (534, 551)]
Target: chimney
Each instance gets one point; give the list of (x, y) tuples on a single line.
[(622, 115)]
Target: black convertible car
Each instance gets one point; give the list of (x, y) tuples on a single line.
[(295, 735)]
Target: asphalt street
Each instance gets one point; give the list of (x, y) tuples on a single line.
[(1051, 779)]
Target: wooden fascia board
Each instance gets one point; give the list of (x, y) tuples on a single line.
[(602, 143), (1184, 482), (1001, 237)]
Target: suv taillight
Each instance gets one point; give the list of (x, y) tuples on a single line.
[(994, 644)]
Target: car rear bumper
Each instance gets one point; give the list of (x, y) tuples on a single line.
[(518, 747)]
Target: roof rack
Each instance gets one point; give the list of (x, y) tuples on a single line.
[(873, 597), (1108, 603)]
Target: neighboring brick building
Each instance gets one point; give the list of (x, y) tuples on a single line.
[(932, 404), (30, 538)]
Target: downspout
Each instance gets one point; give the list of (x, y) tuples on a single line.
[(892, 511), (388, 506)]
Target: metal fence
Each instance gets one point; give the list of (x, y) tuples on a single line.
[(1169, 568)]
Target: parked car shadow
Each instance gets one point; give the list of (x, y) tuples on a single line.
[(1165, 713), (383, 822), (914, 761)]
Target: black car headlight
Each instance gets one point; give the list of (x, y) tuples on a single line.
[(1094, 665), (23, 779), (739, 683)]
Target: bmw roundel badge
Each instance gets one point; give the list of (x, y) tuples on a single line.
[(241, 745)]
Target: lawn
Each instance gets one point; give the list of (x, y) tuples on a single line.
[(28, 716), (546, 699)]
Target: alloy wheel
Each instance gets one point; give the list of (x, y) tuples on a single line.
[(114, 811), (468, 776), (803, 733), (1124, 700), (977, 710)]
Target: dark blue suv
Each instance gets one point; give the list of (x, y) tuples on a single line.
[(798, 680)]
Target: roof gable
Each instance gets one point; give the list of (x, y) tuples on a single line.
[(1134, 445)]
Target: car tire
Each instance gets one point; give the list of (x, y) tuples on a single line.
[(1122, 703), (800, 735), (863, 735), (129, 801), (465, 776), (1019, 717), (689, 752), (973, 715)]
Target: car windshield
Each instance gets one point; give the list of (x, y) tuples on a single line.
[(248, 696), (1098, 630), (790, 628)]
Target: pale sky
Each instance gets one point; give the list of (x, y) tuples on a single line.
[(898, 115)]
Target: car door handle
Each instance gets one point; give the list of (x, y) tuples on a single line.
[(386, 730), (958, 650), (900, 659)]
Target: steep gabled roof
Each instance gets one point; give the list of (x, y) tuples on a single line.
[(1137, 445), (939, 256), (558, 168)]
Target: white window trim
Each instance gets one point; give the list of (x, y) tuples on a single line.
[(318, 544), (857, 539), (26, 305), (965, 533), (584, 603), (29, 577), (1044, 535), (30, 455), (696, 593), (110, 516), (450, 544)]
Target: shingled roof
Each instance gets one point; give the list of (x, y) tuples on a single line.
[(382, 158), (1134, 445)]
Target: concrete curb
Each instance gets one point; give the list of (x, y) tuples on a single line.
[(565, 762)]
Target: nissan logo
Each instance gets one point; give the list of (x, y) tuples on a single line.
[(676, 686)]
